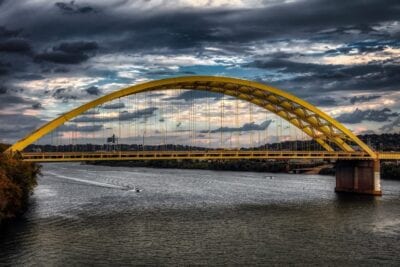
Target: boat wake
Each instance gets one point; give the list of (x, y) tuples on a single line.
[(88, 181)]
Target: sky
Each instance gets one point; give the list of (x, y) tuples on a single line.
[(342, 56)]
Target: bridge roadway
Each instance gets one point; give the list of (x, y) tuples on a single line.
[(199, 154)]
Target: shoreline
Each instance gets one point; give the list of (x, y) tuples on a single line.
[(389, 171)]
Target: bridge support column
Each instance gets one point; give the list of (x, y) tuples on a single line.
[(358, 176)]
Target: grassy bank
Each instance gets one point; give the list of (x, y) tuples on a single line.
[(17, 181)]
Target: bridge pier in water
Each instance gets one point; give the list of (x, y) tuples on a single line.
[(358, 176)]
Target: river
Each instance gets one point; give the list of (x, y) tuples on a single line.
[(83, 215)]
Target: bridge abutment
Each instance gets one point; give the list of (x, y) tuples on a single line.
[(358, 176)]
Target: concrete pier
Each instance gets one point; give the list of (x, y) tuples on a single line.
[(358, 176)]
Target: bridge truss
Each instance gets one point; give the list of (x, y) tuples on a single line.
[(336, 141)]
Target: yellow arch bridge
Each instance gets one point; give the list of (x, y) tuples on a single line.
[(357, 166)]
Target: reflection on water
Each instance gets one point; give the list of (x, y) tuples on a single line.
[(83, 215)]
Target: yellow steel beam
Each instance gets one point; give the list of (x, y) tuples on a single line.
[(287, 108), (199, 155), (283, 114), (389, 155), (201, 83)]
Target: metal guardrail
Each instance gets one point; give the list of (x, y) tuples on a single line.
[(206, 154), (389, 155)]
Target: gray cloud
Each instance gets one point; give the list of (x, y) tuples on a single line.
[(37, 106), (139, 114), (363, 98), (392, 126), (251, 126), (4, 68), (116, 105), (77, 47), (239, 34), (123, 116), (64, 94), (15, 46), (10, 131), (10, 99), (323, 101), (195, 94), (68, 53), (61, 57), (93, 90), (7, 33), (294, 20), (310, 78), (76, 128), (73, 8), (358, 116)]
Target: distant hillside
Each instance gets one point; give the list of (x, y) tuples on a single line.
[(381, 142)]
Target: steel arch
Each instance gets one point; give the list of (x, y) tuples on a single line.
[(308, 118)]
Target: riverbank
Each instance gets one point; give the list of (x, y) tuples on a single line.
[(17, 181)]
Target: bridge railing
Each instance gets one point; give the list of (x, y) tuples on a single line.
[(206, 154)]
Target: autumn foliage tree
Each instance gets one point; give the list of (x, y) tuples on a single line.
[(17, 181)]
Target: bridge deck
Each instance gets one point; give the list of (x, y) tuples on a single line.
[(389, 155), (206, 154)]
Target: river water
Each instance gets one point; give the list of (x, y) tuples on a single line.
[(83, 215)]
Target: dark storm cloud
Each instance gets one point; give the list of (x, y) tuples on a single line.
[(37, 106), (68, 53), (313, 77), (123, 116), (4, 68), (29, 77), (93, 90), (195, 94), (9, 98), (139, 30), (60, 70), (54, 32), (77, 47), (139, 114), (251, 126), (76, 128), (286, 65), (364, 47), (323, 101), (116, 105), (64, 94), (358, 116), (73, 8), (61, 57), (15, 46), (363, 98), (11, 130), (392, 126), (91, 112), (7, 33), (361, 28)]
